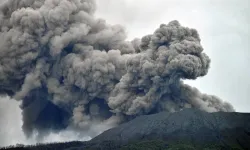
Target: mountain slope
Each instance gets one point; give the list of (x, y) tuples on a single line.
[(190, 125), (188, 128)]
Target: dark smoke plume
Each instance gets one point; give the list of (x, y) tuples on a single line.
[(72, 70)]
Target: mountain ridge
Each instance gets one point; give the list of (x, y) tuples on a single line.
[(188, 121), (189, 127)]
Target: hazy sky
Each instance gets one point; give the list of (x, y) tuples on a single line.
[(224, 29)]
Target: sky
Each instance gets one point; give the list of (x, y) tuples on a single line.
[(223, 26), (11, 127), (224, 29)]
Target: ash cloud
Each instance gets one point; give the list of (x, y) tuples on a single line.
[(72, 70)]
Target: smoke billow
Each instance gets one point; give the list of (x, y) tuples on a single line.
[(72, 70)]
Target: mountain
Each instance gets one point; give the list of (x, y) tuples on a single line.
[(190, 125), (190, 128)]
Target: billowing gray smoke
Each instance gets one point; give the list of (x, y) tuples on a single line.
[(70, 69)]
